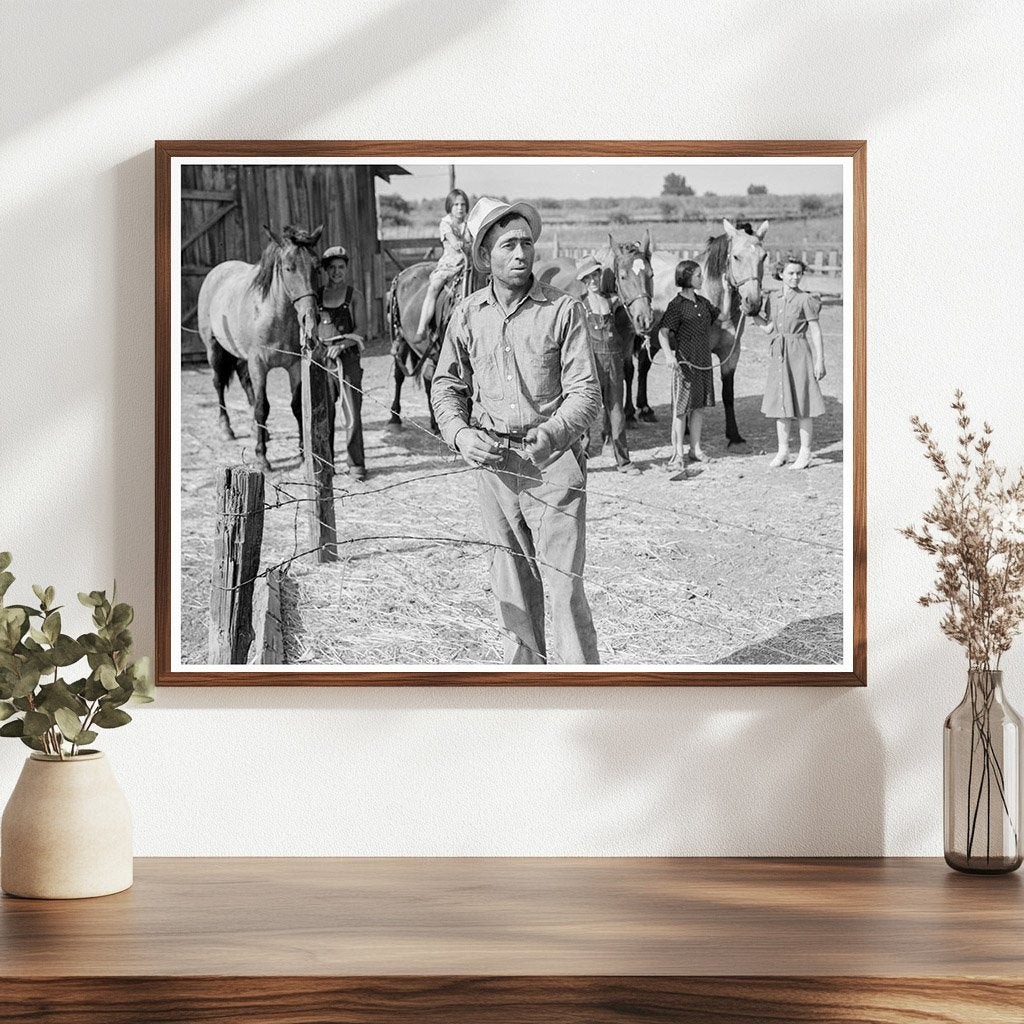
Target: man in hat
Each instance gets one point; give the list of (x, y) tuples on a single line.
[(516, 352)]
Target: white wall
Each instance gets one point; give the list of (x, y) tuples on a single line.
[(87, 87)]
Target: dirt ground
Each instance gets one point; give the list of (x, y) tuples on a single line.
[(735, 563)]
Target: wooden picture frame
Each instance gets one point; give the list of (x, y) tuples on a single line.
[(373, 161)]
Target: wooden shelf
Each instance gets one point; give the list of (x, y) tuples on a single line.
[(572, 941)]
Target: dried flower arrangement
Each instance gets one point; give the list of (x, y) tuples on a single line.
[(975, 529)]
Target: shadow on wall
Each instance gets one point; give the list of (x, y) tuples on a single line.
[(751, 771), (117, 35)]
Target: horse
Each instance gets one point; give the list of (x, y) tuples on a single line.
[(625, 271), (733, 260), (254, 317), (412, 359)]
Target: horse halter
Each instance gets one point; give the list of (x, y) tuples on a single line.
[(646, 292), (733, 281)]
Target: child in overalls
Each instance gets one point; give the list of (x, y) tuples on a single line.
[(338, 321), (608, 358)]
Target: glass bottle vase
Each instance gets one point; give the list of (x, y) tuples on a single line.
[(981, 773)]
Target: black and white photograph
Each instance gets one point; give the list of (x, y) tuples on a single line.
[(435, 414)]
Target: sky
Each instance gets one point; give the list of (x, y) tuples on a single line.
[(613, 178)]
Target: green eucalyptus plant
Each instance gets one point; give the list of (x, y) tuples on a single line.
[(46, 712)]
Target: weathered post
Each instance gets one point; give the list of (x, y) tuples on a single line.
[(319, 455), (236, 561)]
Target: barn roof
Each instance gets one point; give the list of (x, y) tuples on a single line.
[(385, 171)]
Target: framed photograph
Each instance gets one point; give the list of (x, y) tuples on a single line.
[(491, 413)]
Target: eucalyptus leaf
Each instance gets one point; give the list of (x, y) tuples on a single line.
[(50, 595), (31, 741), (27, 682), (6, 579), (87, 736), (59, 695), (14, 728), (89, 600), (39, 636), (36, 723), (6, 710), (115, 698), (51, 626), (94, 689), (40, 592), (122, 616), (107, 676), (69, 724), (5, 560), (66, 651), (142, 677), (111, 718)]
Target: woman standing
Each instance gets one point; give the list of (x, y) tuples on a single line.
[(339, 319), (796, 363), (685, 337)]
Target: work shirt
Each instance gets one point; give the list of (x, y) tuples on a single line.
[(529, 367)]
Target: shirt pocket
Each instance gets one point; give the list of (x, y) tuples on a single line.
[(486, 371), (545, 371)]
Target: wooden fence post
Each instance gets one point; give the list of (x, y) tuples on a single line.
[(318, 444), (236, 561)]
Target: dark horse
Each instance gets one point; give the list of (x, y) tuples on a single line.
[(733, 261), (405, 300), (253, 318)]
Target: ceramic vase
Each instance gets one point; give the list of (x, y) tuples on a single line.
[(66, 831)]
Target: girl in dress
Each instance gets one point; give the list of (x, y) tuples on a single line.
[(457, 242), (685, 336), (796, 363)]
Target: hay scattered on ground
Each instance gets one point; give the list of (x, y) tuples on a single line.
[(709, 569)]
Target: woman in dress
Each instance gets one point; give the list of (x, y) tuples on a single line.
[(796, 363), (456, 239), (686, 335)]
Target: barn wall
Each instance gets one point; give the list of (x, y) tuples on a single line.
[(454, 771), (340, 198)]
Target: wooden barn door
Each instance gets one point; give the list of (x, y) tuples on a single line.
[(212, 230)]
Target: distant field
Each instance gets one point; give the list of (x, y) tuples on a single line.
[(820, 232), (674, 235)]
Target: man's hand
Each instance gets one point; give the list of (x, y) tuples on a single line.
[(538, 447), (477, 448)]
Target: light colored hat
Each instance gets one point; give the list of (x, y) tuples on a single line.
[(585, 266), (335, 252), (487, 211)]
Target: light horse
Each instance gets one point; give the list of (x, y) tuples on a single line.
[(733, 261), (412, 359), (253, 318), (626, 272)]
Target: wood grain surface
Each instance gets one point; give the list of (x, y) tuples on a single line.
[(568, 940), (220, 151)]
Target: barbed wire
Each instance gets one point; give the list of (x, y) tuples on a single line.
[(675, 513), (756, 636)]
